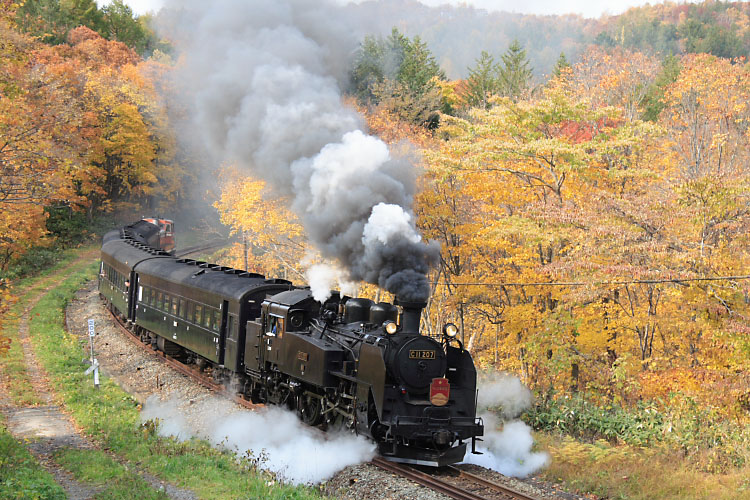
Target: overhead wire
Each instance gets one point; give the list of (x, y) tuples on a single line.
[(601, 282)]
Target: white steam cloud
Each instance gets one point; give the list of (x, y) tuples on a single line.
[(264, 80), (294, 452), (322, 278), (505, 393), (507, 444)]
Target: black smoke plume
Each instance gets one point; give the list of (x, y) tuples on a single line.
[(265, 79)]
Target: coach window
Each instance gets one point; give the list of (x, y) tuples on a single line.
[(216, 323), (207, 318), (182, 309), (175, 304), (190, 310), (198, 314), (159, 301)]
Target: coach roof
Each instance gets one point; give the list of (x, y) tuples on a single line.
[(213, 278)]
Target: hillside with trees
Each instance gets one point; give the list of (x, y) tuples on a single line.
[(717, 28)]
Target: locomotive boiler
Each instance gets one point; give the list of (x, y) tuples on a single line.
[(346, 363)]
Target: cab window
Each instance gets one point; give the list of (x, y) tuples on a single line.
[(277, 326)]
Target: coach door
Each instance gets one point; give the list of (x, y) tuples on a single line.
[(135, 294), (222, 346)]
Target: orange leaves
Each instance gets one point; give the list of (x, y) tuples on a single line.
[(81, 126), (572, 186), (275, 240)]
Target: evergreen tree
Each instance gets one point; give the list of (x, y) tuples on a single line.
[(52, 20), (122, 26), (653, 101), (45, 19), (85, 13), (482, 82), (368, 69), (418, 68), (401, 75), (514, 74), (561, 64), (395, 49)]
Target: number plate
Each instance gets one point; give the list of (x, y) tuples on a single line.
[(414, 354)]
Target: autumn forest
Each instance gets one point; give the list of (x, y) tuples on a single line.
[(593, 219)]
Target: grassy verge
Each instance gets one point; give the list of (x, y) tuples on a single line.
[(634, 473), (99, 469), (20, 474), (12, 366), (680, 450), (111, 417)]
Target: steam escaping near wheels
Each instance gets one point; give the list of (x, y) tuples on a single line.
[(263, 81), (507, 442), (272, 436)]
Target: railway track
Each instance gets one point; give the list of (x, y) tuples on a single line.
[(209, 245), (463, 485), (186, 370)]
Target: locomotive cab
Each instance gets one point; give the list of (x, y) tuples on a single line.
[(166, 241)]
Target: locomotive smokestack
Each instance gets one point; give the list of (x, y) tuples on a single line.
[(411, 316)]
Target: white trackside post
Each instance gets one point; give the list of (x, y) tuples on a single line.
[(94, 363)]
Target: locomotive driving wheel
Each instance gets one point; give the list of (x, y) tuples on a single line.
[(309, 409)]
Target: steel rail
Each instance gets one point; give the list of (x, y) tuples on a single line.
[(492, 485), (427, 480), (199, 248)]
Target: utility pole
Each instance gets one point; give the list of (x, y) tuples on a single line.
[(244, 248)]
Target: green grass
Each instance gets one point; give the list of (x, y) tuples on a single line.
[(12, 366), (21, 477), (111, 417), (97, 468)]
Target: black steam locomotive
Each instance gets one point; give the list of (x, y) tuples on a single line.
[(345, 363)]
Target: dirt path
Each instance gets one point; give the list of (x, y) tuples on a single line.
[(47, 428)]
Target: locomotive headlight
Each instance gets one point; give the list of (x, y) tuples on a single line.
[(390, 327), (450, 330)]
